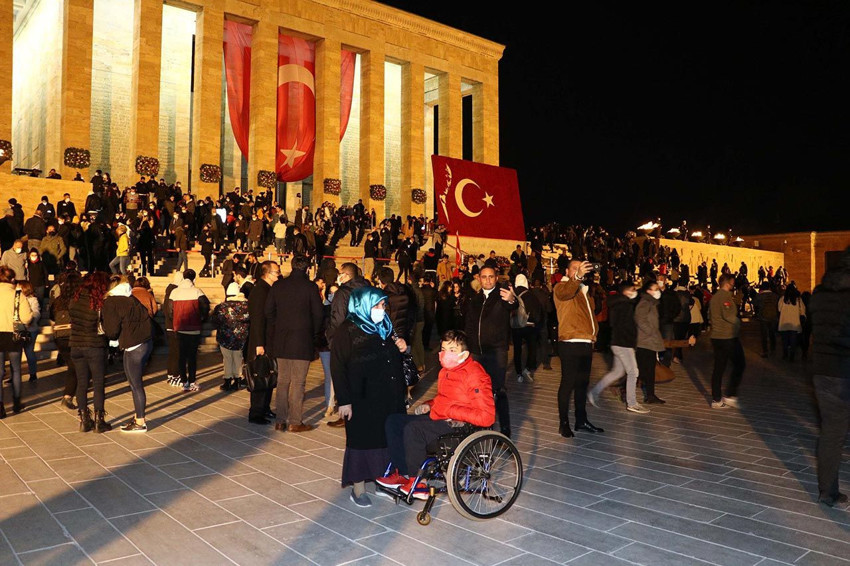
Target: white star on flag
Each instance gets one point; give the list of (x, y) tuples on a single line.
[(292, 154)]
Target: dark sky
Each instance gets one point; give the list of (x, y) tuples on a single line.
[(732, 114)]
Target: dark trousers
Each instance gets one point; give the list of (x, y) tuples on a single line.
[(188, 358), (408, 437), (90, 364), (62, 344), (134, 369), (789, 343), (529, 336), (146, 259), (426, 332), (173, 353), (725, 350), (768, 335), (646, 369), (668, 332), (833, 394), (680, 332), (495, 363), (576, 359)]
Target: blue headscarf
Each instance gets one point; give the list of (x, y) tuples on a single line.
[(360, 305)]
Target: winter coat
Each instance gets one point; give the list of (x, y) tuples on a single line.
[(400, 309), (125, 319), (464, 393), (231, 320), (789, 315), (7, 315), (648, 324), (829, 313), (488, 322), (16, 262), (723, 315), (293, 317), (186, 307), (576, 311), (621, 317)]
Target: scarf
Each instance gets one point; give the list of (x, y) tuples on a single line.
[(360, 305)]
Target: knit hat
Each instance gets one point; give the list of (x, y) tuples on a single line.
[(232, 290)]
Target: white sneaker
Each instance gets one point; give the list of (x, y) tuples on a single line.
[(529, 377), (731, 402), (519, 378), (637, 408), (719, 405), (591, 398), (191, 387)]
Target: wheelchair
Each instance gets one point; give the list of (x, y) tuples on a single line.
[(480, 470)]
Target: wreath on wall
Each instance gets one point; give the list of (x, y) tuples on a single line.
[(210, 173), (419, 196), (6, 148), (377, 192), (77, 158), (266, 179), (147, 166), (332, 186)]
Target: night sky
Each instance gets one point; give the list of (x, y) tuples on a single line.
[(735, 115)]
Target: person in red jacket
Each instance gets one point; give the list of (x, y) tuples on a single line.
[(464, 395)]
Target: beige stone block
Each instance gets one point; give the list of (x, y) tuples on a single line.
[(412, 138), (262, 141), (450, 116), (29, 190), (206, 144), (372, 127), (144, 90), (326, 163), (75, 113), (485, 122)]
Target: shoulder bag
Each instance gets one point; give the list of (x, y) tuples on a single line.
[(20, 335)]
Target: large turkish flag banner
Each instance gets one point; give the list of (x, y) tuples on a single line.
[(474, 199)]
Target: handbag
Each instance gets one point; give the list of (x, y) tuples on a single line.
[(21, 336), (408, 367), (260, 373)]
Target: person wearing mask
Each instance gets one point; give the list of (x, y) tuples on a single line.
[(53, 250), (577, 331), (35, 230), (188, 307), (621, 316), (15, 259), (36, 273), (726, 342), (829, 311), (526, 333), (122, 254), (231, 320), (258, 336), (791, 310), (126, 320), (650, 342), (348, 279), (293, 319), (88, 349), (181, 242), (669, 307), (488, 329), (14, 309), (28, 294), (66, 207), (366, 367)]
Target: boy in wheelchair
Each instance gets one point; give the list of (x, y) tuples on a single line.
[(464, 396)]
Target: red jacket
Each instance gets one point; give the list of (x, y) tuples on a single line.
[(464, 394)]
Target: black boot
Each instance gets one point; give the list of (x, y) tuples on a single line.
[(17, 406), (226, 385), (86, 424), (2, 411), (100, 424)]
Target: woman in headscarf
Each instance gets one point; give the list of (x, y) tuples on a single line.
[(368, 380)]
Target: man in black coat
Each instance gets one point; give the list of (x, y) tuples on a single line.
[(668, 309), (260, 400), (293, 318), (488, 329), (400, 308), (829, 312), (66, 207), (349, 278)]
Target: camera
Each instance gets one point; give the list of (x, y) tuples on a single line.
[(596, 267)]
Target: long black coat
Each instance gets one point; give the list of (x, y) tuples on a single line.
[(257, 317), (367, 375), (293, 317)]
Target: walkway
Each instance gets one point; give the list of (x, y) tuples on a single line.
[(683, 485)]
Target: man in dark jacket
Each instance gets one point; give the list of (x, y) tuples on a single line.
[(349, 278), (400, 308), (429, 307), (829, 312), (488, 328), (293, 319), (35, 230), (668, 309), (766, 306), (260, 409)]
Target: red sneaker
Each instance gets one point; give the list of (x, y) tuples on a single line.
[(392, 481), (419, 492)]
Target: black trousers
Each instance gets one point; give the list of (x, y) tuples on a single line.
[(90, 364), (833, 394), (261, 401), (408, 437), (646, 369), (173, 353), (64, 347), (426, 332), (726, 350), (576, 359), (529, 336), (146, 259), (188, 358), (495, 363)]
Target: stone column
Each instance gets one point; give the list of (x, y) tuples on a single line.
[(450, 103), (144, 92), (485, 121), (262, 137), (7, 21), (372, 127), (412, 137), (206, 118), (75, 105), (326, 159)]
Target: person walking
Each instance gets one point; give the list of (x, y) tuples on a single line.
[(791, 310), (726, 342), (14, 310), (126, 320), (766, 306), (88, 350), (28, 294), (650, 343), (293, 319), (181, 242), (122, 254), (231, 320), (621, 315), (188, 307), (577, 331), (829, 311), (526, 331)]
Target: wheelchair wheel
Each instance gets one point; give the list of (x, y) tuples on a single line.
[(484, 476)]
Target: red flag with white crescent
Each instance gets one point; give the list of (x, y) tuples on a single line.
[(477, 199), (296, 108)]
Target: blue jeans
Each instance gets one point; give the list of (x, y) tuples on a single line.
[(134, 368), (29, 350), (330, 398), (119, 264), (182, 260), (15, 363)]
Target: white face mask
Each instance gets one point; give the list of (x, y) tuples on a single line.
[(656, 294), (377, 315), (631, 294)]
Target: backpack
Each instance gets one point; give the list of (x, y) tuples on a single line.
[(519, 317)]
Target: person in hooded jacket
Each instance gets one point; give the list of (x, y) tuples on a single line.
[(649, 340), (527, 334)]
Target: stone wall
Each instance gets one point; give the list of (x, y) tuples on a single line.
[(694, 253), (29, 190), (804, 252)]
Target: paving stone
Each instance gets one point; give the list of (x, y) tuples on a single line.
[(31, 469), (716, 502), (64, 555), (95, 535), (649, 554), (771, 531), (192, 510), (145, 478), (549, 547), (409, 551), (598, 559), (78, 468), (27, 524), (273, 489), (216, 488), (662, 505), (179, 547), (112, 497), (685, 545), (322, 546), (338, 520), (57, 496), (186, 470), (259, 511)]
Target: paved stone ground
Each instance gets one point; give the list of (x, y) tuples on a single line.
[(683, 485)]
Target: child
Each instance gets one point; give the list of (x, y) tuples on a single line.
[(464, 395)]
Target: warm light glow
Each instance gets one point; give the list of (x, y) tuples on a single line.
[(739, 239), (720, 236), (674, 231), (696, 234), (648, 226)]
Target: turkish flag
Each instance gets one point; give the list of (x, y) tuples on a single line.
[(477, 200), (296, 108)]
